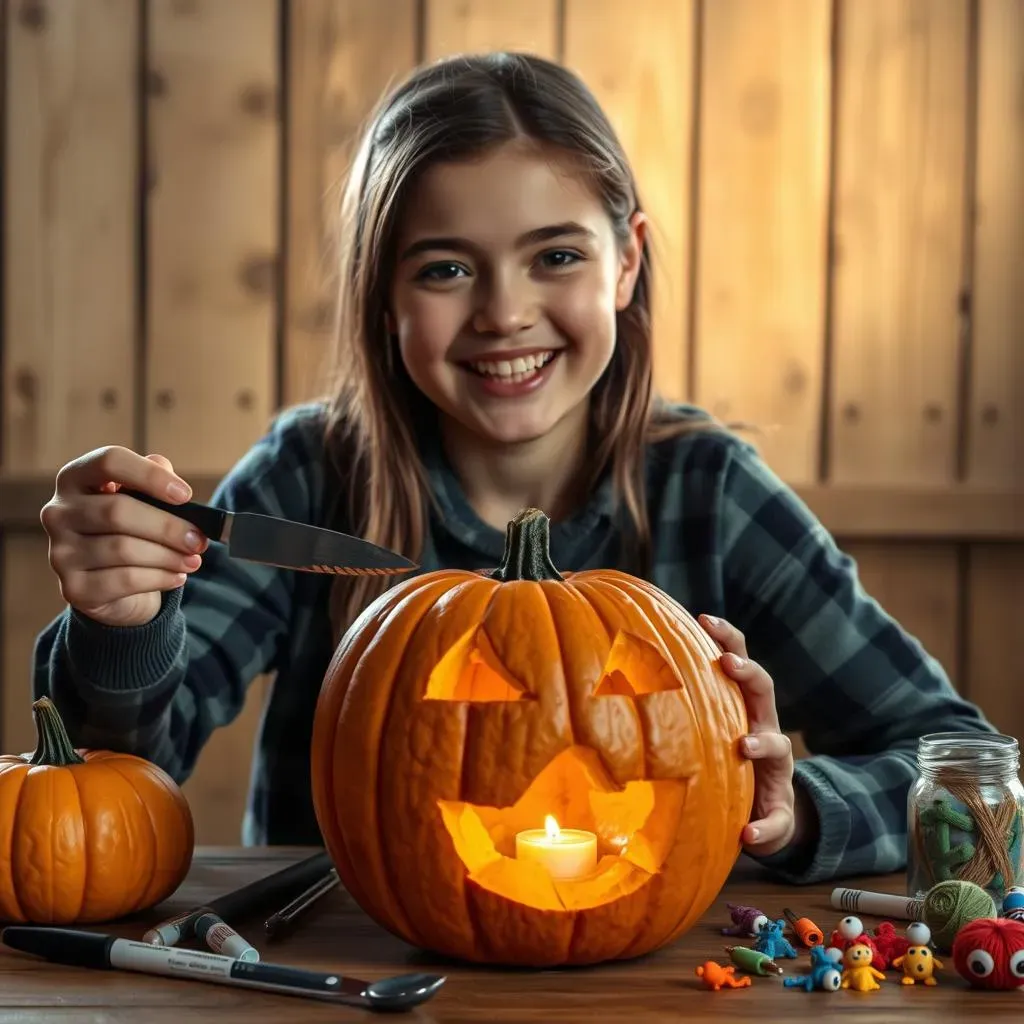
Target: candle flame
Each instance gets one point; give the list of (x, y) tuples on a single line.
[(551, 826)]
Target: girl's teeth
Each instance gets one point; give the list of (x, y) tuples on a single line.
[(516, 369)]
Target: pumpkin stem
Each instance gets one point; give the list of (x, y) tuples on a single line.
[(53, 747), (527, 549)]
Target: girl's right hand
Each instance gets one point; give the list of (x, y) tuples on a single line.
[(114, 555)]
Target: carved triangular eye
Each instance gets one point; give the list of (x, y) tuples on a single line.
[(635, 666), (472, 671)]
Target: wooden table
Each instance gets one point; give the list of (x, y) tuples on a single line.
[(336, 934)]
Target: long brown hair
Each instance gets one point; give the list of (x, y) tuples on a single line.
[(446, 111)]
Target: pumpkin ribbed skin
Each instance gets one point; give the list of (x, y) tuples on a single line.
[(385, 759), (87, 835)]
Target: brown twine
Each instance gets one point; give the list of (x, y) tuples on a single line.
[(992, 832)]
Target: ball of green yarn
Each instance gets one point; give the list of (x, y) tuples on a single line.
[(948, 906)]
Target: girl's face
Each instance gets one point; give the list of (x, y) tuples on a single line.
[(505, 288)]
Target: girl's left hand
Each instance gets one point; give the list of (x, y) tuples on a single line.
[(773, 823)]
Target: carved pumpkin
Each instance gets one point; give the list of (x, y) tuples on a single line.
[(463, 708), (88, 835)]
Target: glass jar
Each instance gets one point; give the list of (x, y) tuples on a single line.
[(965, 813)]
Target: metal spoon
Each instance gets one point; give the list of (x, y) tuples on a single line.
[(401, 992)]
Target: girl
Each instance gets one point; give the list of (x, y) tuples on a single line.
[(494, 352)]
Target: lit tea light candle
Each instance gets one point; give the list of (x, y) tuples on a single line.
[(565, 852)]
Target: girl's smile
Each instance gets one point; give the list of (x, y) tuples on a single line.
[(510, 374)]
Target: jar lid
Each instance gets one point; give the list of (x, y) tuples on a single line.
[(968, 750)]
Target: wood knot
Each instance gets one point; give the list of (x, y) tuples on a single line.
[(990, 414), (759, 106), (184, 8), (245, 399), (108, 398), (164, 399), (259, 274), (26, 384), (933, 412), (794, 380), (156, 83), (851, 412), (316, 317), (32, 15), (259, 100)]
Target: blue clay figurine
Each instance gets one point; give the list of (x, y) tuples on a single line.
[(770, 940), (824, 975)]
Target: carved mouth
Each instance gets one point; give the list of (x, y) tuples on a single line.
[(635, 825)]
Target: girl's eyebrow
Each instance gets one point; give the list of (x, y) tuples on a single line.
[(566, 229)]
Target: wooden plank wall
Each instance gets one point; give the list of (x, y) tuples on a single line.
[(837, 197)]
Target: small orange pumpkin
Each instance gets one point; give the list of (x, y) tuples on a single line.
[(88, 835), (463, 708)]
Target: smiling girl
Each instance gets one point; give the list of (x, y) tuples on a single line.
[(494, 344)]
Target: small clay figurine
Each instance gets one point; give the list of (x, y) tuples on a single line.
[(746, 921), (850, 931), (889, 944), (858, 973), (772, 941), (918, 964), (749, 960), (824, 973), (804, 928), (715, 976)]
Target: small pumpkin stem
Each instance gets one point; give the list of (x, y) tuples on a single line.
[(54, 746), (527, 549)]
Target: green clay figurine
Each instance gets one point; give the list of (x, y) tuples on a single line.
[(752, 961)]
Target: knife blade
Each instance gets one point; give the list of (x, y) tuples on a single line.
[(282, 542)]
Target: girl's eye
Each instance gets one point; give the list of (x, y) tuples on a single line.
[(558, 258), (440, 272)]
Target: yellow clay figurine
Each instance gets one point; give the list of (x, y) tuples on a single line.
[(918, 964), (857, 970)]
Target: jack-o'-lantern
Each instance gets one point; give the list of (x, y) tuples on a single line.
[(464, 709)]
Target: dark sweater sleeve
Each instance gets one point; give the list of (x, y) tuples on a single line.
[(860, 688), (159, 690)]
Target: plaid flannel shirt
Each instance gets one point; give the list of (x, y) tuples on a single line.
[(729, 538)]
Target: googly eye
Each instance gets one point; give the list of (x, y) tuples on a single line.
[(980, 963), (850, 927), (831, 980), (1017, 964), (758, 923), (919, 933), (834, 954)]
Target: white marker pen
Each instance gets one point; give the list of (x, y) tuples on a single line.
[(881, 904)]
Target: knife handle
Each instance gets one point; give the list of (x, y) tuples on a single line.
[(210, 520)]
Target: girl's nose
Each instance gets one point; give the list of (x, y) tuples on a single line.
[(505, 308)]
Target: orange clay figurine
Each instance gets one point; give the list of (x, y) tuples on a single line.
[(804, 929), (858, 973), (715, 976)]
